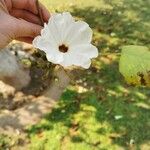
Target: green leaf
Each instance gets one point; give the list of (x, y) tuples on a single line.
[(135, 65)]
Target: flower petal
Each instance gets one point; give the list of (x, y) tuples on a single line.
[(80, 55), (58, 24), (87, 50), (56, 58), (40, 43), (77, 60), (45, 41), (46, 34), (79, 33), (52, 54)]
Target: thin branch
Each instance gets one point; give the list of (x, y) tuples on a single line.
[(40, 12)]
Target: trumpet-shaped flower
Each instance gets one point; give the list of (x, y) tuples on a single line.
[(67, 42)]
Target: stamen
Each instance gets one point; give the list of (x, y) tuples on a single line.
[(63, 48)]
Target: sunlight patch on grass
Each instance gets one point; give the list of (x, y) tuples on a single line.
[(85, 117)]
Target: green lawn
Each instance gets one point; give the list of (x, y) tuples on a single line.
[(87, 115)]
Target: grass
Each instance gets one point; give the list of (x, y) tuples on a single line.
[(87, 115)]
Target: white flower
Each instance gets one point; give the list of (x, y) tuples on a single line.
[(67, 42)]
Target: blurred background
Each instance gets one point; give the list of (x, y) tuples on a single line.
[(99, 111)]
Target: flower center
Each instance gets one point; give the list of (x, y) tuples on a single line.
[(63, 48)]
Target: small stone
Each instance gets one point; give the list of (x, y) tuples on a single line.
[(113, 34), (118, 117), (132, 141), (18, 132)]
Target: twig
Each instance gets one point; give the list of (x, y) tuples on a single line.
[(40, 12), (68, 75), (3, 7)]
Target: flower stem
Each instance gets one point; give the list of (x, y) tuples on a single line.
[(40, 12)]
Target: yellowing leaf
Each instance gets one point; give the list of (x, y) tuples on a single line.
[(135, 65)]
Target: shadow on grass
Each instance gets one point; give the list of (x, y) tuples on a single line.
[(90, 117), (129, 22)]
